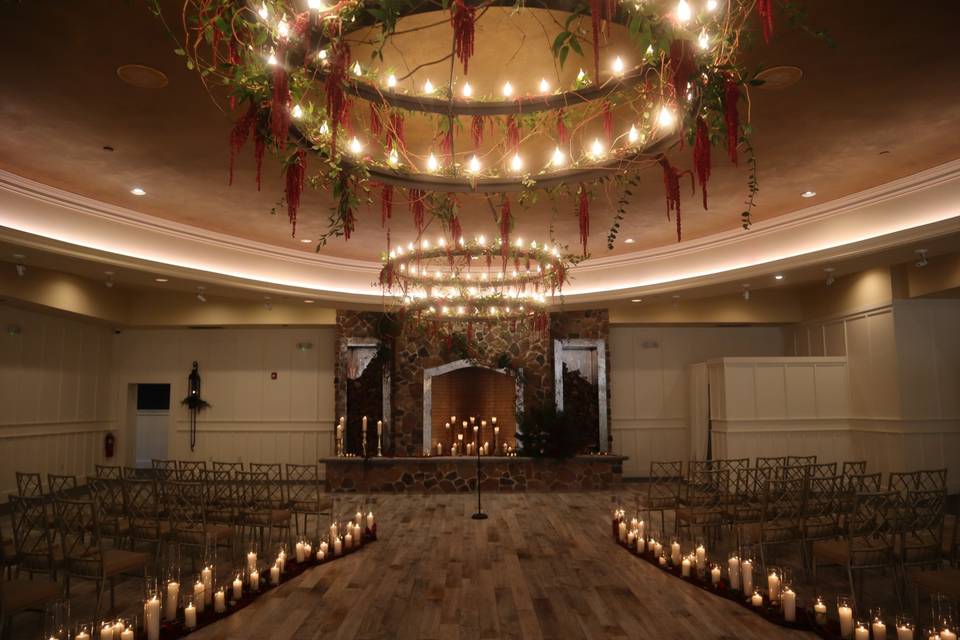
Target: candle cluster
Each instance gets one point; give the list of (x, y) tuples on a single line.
[(472, 437), (340, 438)]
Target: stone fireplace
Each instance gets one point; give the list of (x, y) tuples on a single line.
[(464, 389)]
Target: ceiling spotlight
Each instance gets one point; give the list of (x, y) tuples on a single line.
[(306, 240), (830, 277), (200, 296), (922, 262), (160, 280), (21, 269), (629, 241), (746, 291), (308, 301), (137, 191), (808, 194), (779, 276)]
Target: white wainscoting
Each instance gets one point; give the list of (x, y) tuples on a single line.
[(645, 440)]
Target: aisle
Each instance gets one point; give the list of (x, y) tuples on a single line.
[(542, 566)]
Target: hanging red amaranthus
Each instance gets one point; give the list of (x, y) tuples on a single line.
[(563, 137), (513, 134), (280, 105), (607, 122), (376, 123), (417, 208), (387, 276), (395, 135), (476, 131), (671, 185), (386, 204), (240, 132), (336, 99), (446, 143), (505, 228), (463, 17), (683, 64), (583, 213), (456, 231), (296, 170), (701, 157), (348, 223), (259, 146), (731, 116), (765, 11)]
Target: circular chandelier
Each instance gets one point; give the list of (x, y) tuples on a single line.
[(339, 122)]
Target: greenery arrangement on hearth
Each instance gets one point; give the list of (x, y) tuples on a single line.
[(545, 432)]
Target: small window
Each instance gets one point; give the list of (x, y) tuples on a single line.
[(153, 397)]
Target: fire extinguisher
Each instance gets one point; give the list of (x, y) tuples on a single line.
[(109, 441)]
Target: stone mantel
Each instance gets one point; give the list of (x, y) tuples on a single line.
[(446, 474)]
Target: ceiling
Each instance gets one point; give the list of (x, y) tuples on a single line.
[(874, 108)]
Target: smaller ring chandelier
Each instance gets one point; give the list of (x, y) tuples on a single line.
[(476, 280)]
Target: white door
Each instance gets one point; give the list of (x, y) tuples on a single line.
[(151, 427)]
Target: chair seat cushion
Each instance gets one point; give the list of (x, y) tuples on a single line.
[(24, 594), (120, 561), (942, 581)]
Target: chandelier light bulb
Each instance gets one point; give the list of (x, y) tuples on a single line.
[(297, 112), (355, 146), (316, 5), (432, 163), (425, 244), (544, 86), (507, 89), (357, 69), (711, 5), (683, 12), (391, 81), (272, 59), (263, 13), (322, 55), (482, 241), (516, 163), (633, 135), (474, 166), (581, 75), (596, 150), (519, 244), (618, 66), (467, 90), (666, 117), (393, 159), (441, 243), (428, 87), (283, 29), (703, 41), (558, 158), (324, 129)]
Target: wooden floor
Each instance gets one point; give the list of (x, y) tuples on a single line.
[(542, 566)]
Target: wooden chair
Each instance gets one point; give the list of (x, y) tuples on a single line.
[(822, 513), (869, 541), (783, 508), (17, 596), (61, 483), (276, 491), (33, 542), (663, 489), (921, 529), (191, 470), (942, 580), (108, 472), (164, 469), (305, 497), (186, 509), (745, 507), (777, 462), (864, 483), (84, 555), (822, 470), (854, 468), (111, 510), (800, 461), (29, 484), (230, 467), (703, 504), (142, 508)]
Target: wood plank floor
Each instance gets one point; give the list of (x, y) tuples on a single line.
[(542, 566)]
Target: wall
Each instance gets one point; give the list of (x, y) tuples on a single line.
[(55, 393), (649, 390), (252, 417)]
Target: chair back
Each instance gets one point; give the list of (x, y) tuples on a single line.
[(191, 470), (822, 506), (109, 472), (275, 487), (186, 509), (822, 470), (79, 536), (931, 480), (772, 463), (783, 500), (854, 468), (707, 489), (61, 483), (222, 496), (921, 527), (864, 483), (108, 500), (32, 534), (231, 467), (254, 489), (164, 469), (663, 486), (29, 485), (303, 487), (143, 504), (793, 461), (871, 535)]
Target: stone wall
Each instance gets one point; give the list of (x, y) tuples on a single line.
[(512, 345)]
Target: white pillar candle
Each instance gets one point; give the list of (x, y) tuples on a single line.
[(206, 576), (321, 555), (370, 520), (251, 561), (879, 630), (118, 628), (357, 536), (948, 634), (300, 551), (439, 448), (82, 635), (275, 575), (622, 531), (173, 600), (631, 538), (733, 572), (701, 558), (685, 567), (151, 618), (333, 531), (904, 632), (675, 552), (337, 547), (820, 612), (657, 548), (789, 605), (641, 529), (255, 581), (715, 575), (106, 632), (220, 601), (756, 599), (845, 612), (190, 616), (773, 586), (127, 634), (662, 560), (746, 575), (307, 550), (198, 596), (282, 561), (862, 633), (237, 588), (348, 541)]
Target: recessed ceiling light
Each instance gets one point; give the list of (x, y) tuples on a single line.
[(629, 241), (779, 276), (137, 191), (637, 300), (306, 240), (142, 76), (808, 194), (779, 77), (308, 301), (160, 280)]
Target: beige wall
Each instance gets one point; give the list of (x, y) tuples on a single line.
[(55, 394), (649, 384), (253, 417)]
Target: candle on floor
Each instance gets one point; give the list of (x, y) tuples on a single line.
[(641, 529), (845, 613), (439, 449), (701, 559), (324, 547), (861, 632), (348, 541), (715, 575), (190, 616), (118, 628), (82, 634), (237, 588), (151, 618), (904, 628), (486, 448), (622, 531), (220, 601), (733, 570), (275, 574), (878, 629), (789, 604), (631, 539), (773, 586), (173, 600), (948, 634), (300, 552), (106, 631), (662, 560), (756, 599), (675, 552), (357, 536), (657, 548), (206, 576), (307, 550), (820, 611), (251, 561), (337, 547), (370, 520), (746, 575), (685, 567), (198, 595), (254, 581), (127, 634)]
